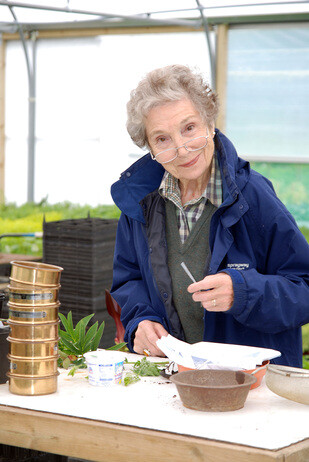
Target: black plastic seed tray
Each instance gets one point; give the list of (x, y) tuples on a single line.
[(78, 267), (91, 229), (80, 312), (85, 249), (84, 287), (94, 254), (91, 304), (95, 277), (83, 246), (85, 274)]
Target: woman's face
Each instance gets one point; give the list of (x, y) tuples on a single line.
[(173, 124)]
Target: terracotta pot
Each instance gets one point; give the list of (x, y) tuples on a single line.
[(213, 390)]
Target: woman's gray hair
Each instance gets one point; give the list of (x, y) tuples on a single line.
[(170, 83)]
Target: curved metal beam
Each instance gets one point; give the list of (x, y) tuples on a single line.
[(31, 107), (23, 41), (210, 48)]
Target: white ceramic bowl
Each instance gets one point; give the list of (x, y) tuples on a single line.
[(289, 382)]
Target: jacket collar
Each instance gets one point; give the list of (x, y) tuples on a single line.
[(140, 179), (145, 175)]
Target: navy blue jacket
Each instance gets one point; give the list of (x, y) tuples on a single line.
[(253, 238)]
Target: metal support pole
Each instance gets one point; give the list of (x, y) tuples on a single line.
[(210, 48), (31, 122), (2, 121), (31, 68)]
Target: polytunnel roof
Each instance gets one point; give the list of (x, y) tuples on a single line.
[(60, 14)]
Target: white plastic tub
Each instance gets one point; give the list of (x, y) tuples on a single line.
[(104, 367)]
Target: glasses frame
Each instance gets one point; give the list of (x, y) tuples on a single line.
[(182, 146)]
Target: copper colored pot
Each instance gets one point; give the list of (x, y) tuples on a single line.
[(25, 331), (32, 295), (33, 366), (32, 314), (26, 385), (35, 273), (36, 349)]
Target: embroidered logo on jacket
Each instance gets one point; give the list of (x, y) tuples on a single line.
[(238, 266)]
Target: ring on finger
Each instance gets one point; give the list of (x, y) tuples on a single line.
[(146, 352), (213, 302)]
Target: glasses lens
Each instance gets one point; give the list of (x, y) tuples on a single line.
[(196, 143), (166, 156)]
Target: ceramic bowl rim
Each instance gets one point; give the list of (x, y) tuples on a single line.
[(288, 371), (174, 378)]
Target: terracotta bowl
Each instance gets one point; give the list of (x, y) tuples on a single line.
[(259, 374), (213, 390)]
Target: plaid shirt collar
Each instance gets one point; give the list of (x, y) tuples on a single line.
[(169, 188)]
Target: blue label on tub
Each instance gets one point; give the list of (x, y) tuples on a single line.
[(104, 374)]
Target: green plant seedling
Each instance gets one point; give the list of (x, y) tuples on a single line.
[(75, 342)]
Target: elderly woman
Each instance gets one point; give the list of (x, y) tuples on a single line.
[(191, 199)]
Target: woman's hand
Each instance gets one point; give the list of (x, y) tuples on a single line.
[(215, 292), (146, 336)]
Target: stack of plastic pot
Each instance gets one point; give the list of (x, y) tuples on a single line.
[(33, 319)]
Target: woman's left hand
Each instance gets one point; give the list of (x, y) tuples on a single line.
[(215, 292)]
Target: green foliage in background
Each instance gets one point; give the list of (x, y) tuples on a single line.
[(305, 330), (291, 185), (305, 232), (28, 218)]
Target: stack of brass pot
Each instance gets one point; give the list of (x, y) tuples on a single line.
[(33, 319)]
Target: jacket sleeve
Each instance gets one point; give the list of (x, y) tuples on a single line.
[(129, 280), (278, 299)]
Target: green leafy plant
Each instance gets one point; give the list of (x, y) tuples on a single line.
[(130, 378), (75, 342), (143, 368)]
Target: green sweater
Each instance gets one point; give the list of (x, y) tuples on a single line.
[(194, 252)]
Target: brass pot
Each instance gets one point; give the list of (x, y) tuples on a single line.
[(26, 385), (35, 273), (29, 349), (26, 295), (32, 314), (33, 366), (25, 331)]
